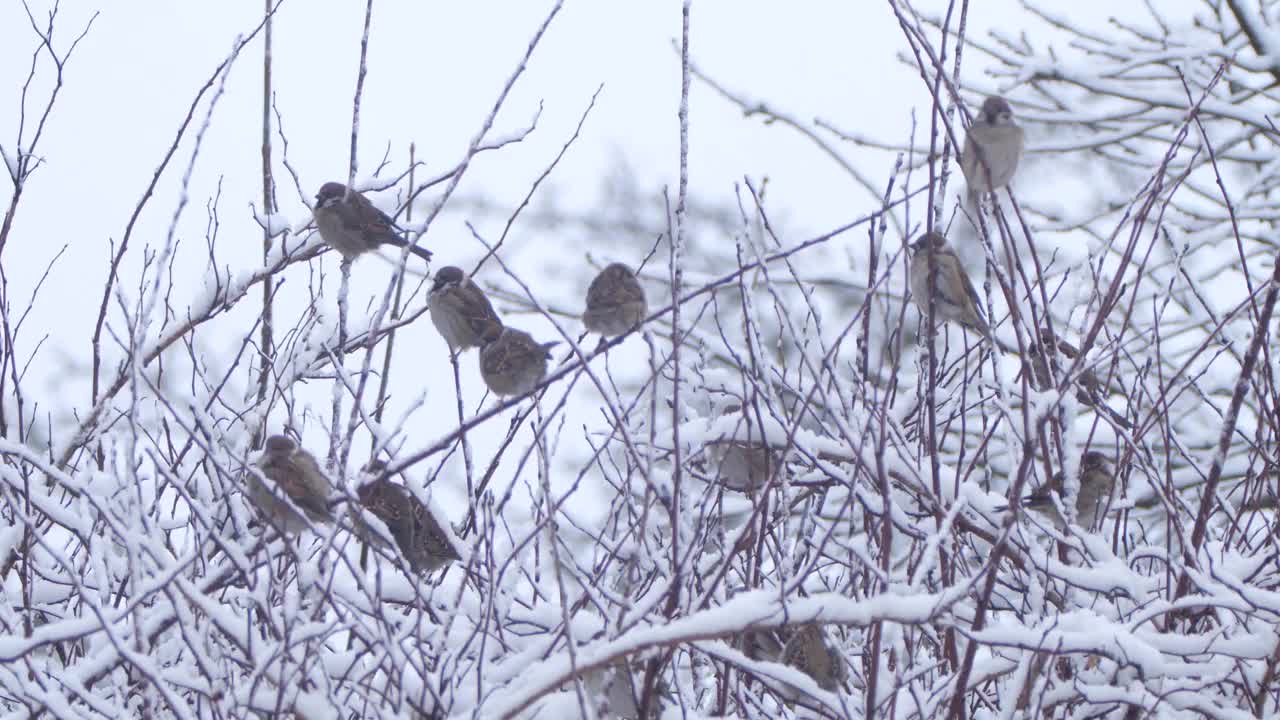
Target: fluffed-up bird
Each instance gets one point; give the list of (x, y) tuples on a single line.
[(615, 302), (414, 528), (350, 224), (299, 484), (1096, 484), (1090, 390), (744, 466), (809, 652), (992, 148), (513, 363), (460, 310), (935, 267), (613, 689)]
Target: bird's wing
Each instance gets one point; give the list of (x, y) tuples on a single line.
[(969, 161), (364, 217), (475, 307), (309, 487), (969, 291), (430, 534)]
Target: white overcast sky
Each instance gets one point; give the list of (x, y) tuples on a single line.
[(434, 72)]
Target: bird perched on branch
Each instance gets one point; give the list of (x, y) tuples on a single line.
[(460, 310), (992, 148), (936, 271), (513, 363), (299, 484), (421, 538), (1090, 390), (350, 224), (615, 302), (1096, 484), (807, 650)]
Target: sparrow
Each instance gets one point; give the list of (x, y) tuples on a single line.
[(744, 466), (764, 645), (299, 483), (350, 224), (955, 298), (992, 149), (807, 650), (513, 363), (613, 689), (615, 302), (415, 529), (1090, 390), (460, 310), (1096, 484)]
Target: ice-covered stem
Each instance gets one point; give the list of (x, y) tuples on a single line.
[(395, 313), (118, 256), (24, 160), (1210, 494), (336, 445), (546, 172), (266, 340), (677, 280), (477, 142), (1258, 33), (355, 102)]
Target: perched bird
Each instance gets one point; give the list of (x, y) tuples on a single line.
[(1096, 484), (807, 650), (350, 224), (744, 466), (954, 299), (992, 149), (513, 363), (299, 484), (420, 537), (615, 301), (1090, 390), (460, 310), (613, 690)]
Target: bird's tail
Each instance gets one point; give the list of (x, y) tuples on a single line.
[(398, 241)]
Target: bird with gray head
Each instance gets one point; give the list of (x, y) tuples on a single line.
[(421, 538), (298, 483), (460, 310), (992, 148), (615, 302), (513, 363), (936, 271), (1096, 484), (350, 224)]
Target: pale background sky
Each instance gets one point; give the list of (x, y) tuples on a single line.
[(434, 72)]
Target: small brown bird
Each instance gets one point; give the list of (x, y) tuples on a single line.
[(613, 689), (415, 529), (808, 651), (1096, 484), (299, 483), (766, 645), (350, 224), (513, 363), (615, 302), (955, 299), (992, 149), (460, 310), (743, 466), (1090, 390)]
